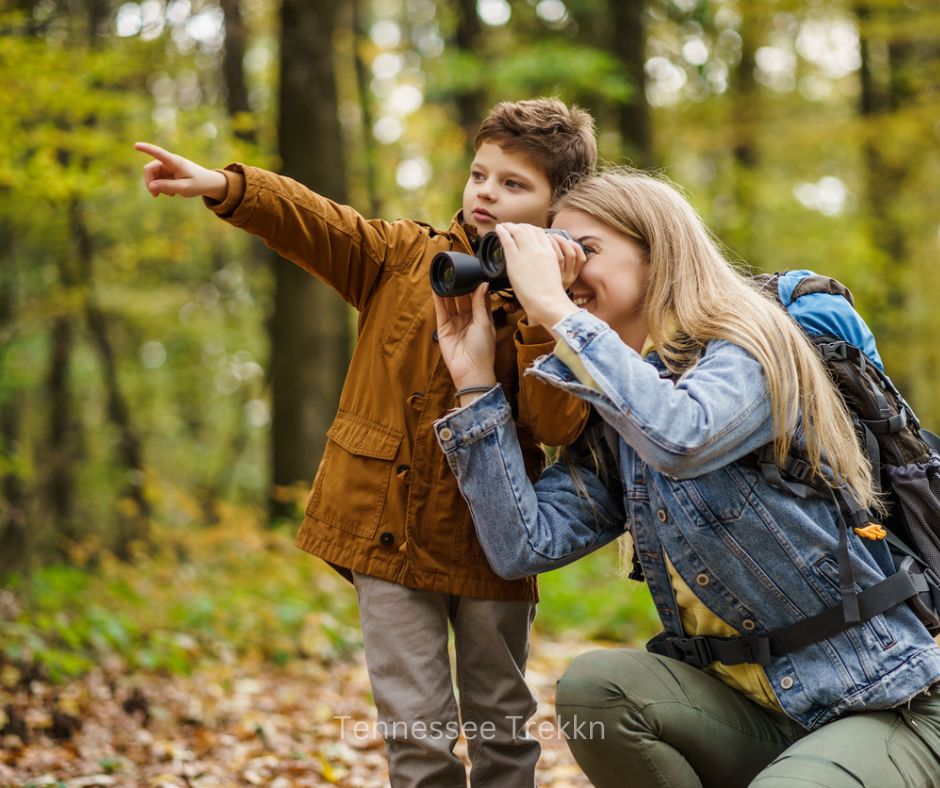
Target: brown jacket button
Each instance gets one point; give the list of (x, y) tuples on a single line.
[(387, 538)]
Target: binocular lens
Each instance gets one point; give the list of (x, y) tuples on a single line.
[(455, 273), (448, 275), (491, 255)]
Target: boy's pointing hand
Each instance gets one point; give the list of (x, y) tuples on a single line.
[(171, 175)]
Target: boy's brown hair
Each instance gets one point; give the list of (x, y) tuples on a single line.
[(557, 138)]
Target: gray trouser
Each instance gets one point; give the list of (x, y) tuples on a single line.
[(659, 722), (405, 637)]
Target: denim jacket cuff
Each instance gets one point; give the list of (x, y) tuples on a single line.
[(579, 329), (465, 425), (576, 331)]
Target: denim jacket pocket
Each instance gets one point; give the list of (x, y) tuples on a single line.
[(361, 450), (718, 498), (877, 627)]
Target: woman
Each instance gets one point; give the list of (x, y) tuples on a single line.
[(692, 370)]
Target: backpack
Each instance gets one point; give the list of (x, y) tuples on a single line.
[(905, 463)]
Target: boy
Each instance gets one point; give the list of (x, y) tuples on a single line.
[(385, 509)]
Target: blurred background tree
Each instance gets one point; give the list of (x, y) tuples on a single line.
[(159, 370)]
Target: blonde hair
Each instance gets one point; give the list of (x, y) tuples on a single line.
[(559, 139), (695, 295)]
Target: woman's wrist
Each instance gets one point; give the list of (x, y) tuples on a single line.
[(476, 378), (468, 394), (551, 313), (475, 385)]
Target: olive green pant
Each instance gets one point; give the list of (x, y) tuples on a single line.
[(637, 719)]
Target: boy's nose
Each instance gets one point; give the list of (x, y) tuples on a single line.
[(486, 191)]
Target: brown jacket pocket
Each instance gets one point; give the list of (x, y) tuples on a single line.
[(354, 476)]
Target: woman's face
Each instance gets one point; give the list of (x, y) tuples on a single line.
[(612, 284)]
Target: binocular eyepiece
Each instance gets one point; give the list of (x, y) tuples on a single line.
[(456, 274)]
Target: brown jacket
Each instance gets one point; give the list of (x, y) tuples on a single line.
[(384, 502)]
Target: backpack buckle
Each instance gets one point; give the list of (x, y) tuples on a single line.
[(800, 470), (833, 350), (693, 651)]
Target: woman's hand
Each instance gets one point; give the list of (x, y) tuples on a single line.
[(467, 338), (571, 259), (538, 265), (171, 175)]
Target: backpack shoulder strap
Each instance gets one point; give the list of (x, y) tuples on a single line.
[(816, 283)]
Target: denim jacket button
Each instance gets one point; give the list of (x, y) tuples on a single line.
[(661, 514), (701, 579), (786, 682), (748, 624), (446, 433)]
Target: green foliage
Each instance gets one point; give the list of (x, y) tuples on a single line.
[(203, 596), (555, 67), (236, 591), (592, 599)]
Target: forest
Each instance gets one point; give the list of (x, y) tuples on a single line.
[(166, 382)]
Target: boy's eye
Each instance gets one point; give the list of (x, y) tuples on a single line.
[(477, 175), (514, 184)]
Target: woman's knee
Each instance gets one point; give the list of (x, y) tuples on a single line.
[(603, 678)]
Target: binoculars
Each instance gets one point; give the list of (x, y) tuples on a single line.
[(456, 274)]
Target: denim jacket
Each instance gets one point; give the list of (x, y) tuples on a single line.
[(758, 557)]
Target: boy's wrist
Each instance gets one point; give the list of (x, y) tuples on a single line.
[(217, 186)]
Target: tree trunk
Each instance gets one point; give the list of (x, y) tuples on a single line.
[(881, 94), (216, 481), (132, 525), (628, 44), (745, 97), (310, 326), (13, 536), (469, 102), (233, 70), (60, 481), (365, 107)]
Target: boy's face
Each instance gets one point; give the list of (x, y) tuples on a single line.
[(505, 186)]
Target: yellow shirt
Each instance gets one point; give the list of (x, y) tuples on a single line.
[(749, 679)]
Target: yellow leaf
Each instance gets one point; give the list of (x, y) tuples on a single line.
[(9, 676), (329, 773)]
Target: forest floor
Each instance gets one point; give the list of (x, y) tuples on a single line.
[(229, 724)]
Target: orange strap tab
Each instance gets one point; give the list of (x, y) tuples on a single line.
[(871, 531)]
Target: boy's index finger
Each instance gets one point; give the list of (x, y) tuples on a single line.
[(156, 151)]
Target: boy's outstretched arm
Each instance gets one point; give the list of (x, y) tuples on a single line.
[(331, 241), (171, 175)]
